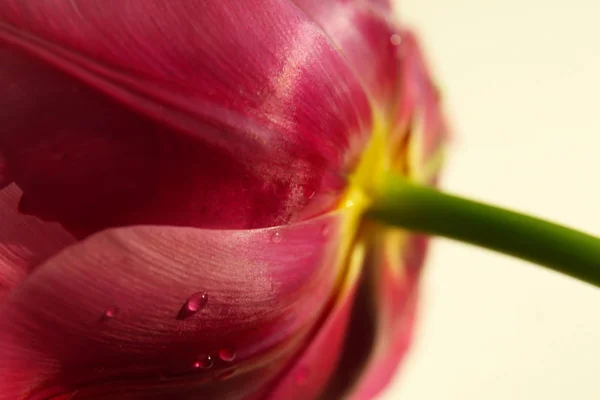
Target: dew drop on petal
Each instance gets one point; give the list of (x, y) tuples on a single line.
[(110, 313), (325, 231), (396, 39), (205, 361), (227, 355), (276, 237), (195, 303)]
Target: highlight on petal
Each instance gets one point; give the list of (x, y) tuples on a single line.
[(89, 163), (368, 38), (253, 91), (25, 242), (102, 318)]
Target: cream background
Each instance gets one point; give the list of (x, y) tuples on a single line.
[(522, 83)]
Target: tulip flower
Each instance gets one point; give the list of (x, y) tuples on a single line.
[(221, 199), (177, 217)]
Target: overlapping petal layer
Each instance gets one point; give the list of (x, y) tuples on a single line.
[(215, 115), (395, 279), (253, 94), (419, 112), (118, 311), (25, 242), (368, 38), (310, 374)]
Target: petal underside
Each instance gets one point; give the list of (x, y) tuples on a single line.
[(309, 374), (369, 39), (181, 97), (211, 115), (138, 310), (419, 113), (394, 272)]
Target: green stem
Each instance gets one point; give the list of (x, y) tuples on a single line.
[(427, 210)]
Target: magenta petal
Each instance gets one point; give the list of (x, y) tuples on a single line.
[(25, 242), (104, 316), (395, 290), (87, 162), (257, 83), (309, 374), (384, 5), (419, 100), (368, 39), (261, 59)]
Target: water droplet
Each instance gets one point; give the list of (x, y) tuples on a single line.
[(302, 376), (110, 313), (396, 39), (205, 361), (195, 303), (325, 231), (227, 355), (276, 237)]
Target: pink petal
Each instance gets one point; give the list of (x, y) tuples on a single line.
[(310, 373), (368, 39), (104, 317), (364, 338), (25, 242), (395, 293), (419, 100), (382, 4), (254, 92), (89, 163)]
